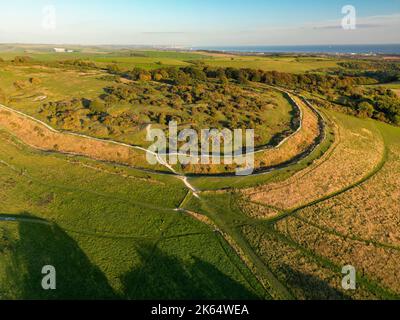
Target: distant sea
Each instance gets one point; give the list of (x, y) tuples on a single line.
[(331, 49)]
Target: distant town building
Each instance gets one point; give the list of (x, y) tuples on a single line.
[(63, 50)]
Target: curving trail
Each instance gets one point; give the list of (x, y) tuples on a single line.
[(183, 177), (158, 156)]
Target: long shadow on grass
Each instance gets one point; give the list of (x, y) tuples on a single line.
[(167, 277), (38, 244), (312, 287), (35, 243)]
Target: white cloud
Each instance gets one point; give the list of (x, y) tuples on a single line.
[(387, 21)]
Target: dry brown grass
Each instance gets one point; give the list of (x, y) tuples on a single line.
[(356, 153), (202, 218), (40, 137), (376, 263), (370, 211), (297, 144), (256, 210), (303, 275)]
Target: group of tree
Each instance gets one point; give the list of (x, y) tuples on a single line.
[(381, 71), (78, 64), (342, 89)]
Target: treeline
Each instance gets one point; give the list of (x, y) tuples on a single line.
[(80, 64), (343, 90), (182, 76), (383, 72)]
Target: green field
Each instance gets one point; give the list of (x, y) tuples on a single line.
[(282, 64), (111, 232), (128, 59)]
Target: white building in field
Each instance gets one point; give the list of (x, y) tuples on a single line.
[(62, 50)]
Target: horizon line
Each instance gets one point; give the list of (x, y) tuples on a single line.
[(208, 45)]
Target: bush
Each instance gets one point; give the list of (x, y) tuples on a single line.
[(97, 106), (35, 81), (157, 76), (181, 78), (195, 73), (138, 74), (145, 76), (22, 59), (21, 84), (113, 69), (81, 64), (365, 109)]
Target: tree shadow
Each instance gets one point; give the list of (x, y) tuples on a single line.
[(36, 243), (166, 277), (40, 243), (312, 287)]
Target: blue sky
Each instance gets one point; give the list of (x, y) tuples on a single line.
[(198, 22)]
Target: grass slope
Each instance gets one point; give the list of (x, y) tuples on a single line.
[(111, 232), (300, 253)]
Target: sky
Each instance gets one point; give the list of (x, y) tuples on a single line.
[(198, 22)]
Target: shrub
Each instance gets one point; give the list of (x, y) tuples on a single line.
[(97, 106), (365, 109), (22, 59), (157, 76), (181, 78), (21, 84), (35, 81), (113, 69)]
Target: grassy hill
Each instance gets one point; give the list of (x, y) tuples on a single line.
[(116, 227), (300, 247)]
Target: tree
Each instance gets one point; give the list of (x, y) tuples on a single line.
[(145, 76), (181, 78), (242, 79), (113, 69), (365, 109), (221, 76), (97, 106), (157, 76), (138, 74), (195, 73), (356, 93), (396, 120)]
